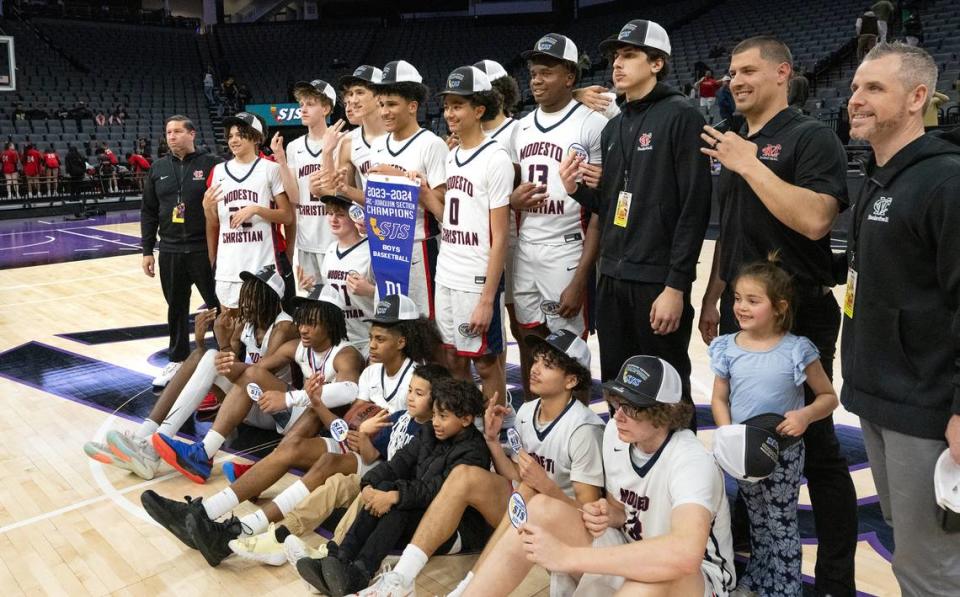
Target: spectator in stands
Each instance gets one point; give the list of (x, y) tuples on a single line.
[(162, 149), (699, 69), (31, 170), (799, 91), (243, 96), (884, 10), (18, 113), (931, 116), (100, 119), (725, 100), (11, 162), (107, 169), (51, 170), (138, 166), (62, 112), (913, 30), (118, 115), (868, 29), (76, 169), (208, 86), (707, 88)]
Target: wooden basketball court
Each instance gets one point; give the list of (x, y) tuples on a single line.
[(71, 526)]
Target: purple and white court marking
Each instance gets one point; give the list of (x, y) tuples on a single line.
[(57, 240)]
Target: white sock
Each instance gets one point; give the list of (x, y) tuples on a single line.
[(192, 395), (460, 588), (146, 429), (288, 499), (220, 503), (411, 563), (254, 523), (212, 442)]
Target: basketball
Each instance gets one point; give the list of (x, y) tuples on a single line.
[(360, 412)]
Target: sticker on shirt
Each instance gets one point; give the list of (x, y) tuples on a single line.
[(623, 209), (254, 391), (851, 294), (517, 509), (179, 211)]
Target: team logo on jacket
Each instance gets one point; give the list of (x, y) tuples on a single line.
[(880, 208), (645, 142), (550, 307), (771, 152), (466, 331), (198, 175)]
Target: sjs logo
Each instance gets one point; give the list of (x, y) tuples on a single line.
[(390, 230), (550, 307), (466, 332), (579, 150), (285, 114)]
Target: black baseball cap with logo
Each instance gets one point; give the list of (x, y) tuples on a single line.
[(338, 200), (319, 87), (365, 75), (324, 293), (556, 46), (245, 118), (466, 80), (646, 381), (745, 452), (400, 71), (394, 308), (565, 342), (640, 33), (268, 275)]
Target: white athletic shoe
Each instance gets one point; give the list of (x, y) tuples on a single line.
[(137, 453), (166, 375), (101, 452), (388, 584), (263, 548), (295, 550)]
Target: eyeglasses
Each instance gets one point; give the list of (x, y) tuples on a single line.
[(615, 403)]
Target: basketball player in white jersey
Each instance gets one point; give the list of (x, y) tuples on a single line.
[(244, 205), (304, 156), (409, 150), (558, 241), (261, 328), (664, 526), (355, 150), (473, 247), (560, 457), (346, 267)]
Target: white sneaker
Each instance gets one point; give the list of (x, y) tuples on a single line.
[(295, 550), (263, 548), (388, 584), (166, 375), (137, 453), (102, 453)]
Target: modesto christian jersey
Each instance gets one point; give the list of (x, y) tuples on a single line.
[(361, 151), (506, 135), (550, 447), (681, 472), (389, 393), (255, 352), (313, 231), (252, 245), (422, 152), (542, 141), (478, 181), (337, 266), (310, 361)]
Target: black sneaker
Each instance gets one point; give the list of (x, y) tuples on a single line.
[(212, 538), (309, 571), (171, 514), (342, 578)]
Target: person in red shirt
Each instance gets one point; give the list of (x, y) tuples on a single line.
[(11, 162), (31, 170), (111, 176), (51, 170), (707, 86), (138, 166)]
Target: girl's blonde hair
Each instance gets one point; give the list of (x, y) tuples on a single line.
[(778, 285)]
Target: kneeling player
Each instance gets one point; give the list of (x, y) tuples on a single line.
[(474, 243), (664, 527)]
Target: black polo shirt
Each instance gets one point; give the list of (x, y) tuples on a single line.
[(803, 152)]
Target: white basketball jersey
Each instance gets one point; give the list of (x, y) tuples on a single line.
[(311, 361), (478, 181), (255, 352), (252, 245), (681, 471), (422, 152), (551, 446), (361, 152), (541, 143), (337, 266), (387, 392), (506, 135), (313, 231)]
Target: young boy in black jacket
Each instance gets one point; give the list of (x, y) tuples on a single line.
[(397, 493)]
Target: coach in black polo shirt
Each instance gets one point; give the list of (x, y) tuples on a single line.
[(781, 187)]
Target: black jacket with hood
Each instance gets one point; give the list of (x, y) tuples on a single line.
[(901, 349), (658, 139)]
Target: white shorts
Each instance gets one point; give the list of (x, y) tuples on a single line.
[(596, 585), (707, 102), (334, 447), (311, 263), (541, 274), (228, 293), (281, 421), (454, 308)]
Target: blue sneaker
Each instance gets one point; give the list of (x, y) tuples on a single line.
[(190, 459), (234, 470)]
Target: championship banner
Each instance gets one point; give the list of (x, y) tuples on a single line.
[(391, 214)]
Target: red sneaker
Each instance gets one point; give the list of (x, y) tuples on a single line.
[(209, 403)]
